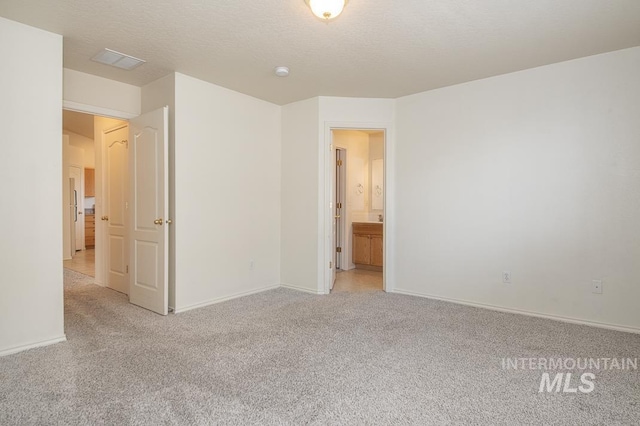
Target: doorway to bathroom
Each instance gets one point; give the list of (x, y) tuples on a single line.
[(358, 205)]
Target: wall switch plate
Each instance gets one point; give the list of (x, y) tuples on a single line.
[(596, 286), (506, 277)]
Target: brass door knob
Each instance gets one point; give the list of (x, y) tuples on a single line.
[(169, 221), (105, 218), (158, 221)]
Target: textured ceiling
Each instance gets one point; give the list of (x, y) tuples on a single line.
[(376, 48)]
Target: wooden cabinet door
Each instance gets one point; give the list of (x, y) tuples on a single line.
[(89, 182), (361, 249), (89, 230), (376, 250)]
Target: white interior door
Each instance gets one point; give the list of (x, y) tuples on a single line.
[(76, 197), (334, 223), (341, 159), (115, 208), (148, 171), (72, 216)]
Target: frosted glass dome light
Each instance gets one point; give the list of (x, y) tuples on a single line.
[(326, 9)]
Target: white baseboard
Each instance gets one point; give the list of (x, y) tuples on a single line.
[(302, 289), (21, 348), (570, 320), (223, 299)]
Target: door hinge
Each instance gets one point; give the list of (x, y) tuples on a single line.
[(330, 265), (339, 162), (339, 249), (127, 269)]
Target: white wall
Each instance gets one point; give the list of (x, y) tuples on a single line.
[(156, 95), (98, 95), (86, 144), (227, 193), (31, 306), (536, 173), (299, 220), (306, 166)]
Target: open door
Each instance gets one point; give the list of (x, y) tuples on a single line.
[(148, 167), (76, 196), (115, 197), (338, 201)]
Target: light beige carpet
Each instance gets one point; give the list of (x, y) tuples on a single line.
[(283, 357)]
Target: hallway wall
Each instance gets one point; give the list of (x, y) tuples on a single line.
[(31, 306), (227, 193)]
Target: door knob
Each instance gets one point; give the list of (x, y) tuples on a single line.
[(158, 221), (169, 221), (105, 217)]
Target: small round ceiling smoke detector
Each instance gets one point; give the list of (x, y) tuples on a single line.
[(282, 71)]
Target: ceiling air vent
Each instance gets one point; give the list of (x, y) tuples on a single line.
[(117, 59)]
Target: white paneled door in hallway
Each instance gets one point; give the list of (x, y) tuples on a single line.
[(148, 213), (115, 201)]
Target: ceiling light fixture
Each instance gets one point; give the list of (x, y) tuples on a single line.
[(326, 9), (117, 59)]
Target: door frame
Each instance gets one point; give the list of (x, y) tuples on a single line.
[(341, 241), (325, 205)]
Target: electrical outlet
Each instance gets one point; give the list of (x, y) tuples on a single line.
[(596, 286), (506, 277)]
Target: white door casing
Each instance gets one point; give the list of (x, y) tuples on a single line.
[(115, 207), (149, 184)]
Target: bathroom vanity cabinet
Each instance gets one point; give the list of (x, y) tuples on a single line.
[(368, 245)]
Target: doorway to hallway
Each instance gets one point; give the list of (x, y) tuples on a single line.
[(131, 203)]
